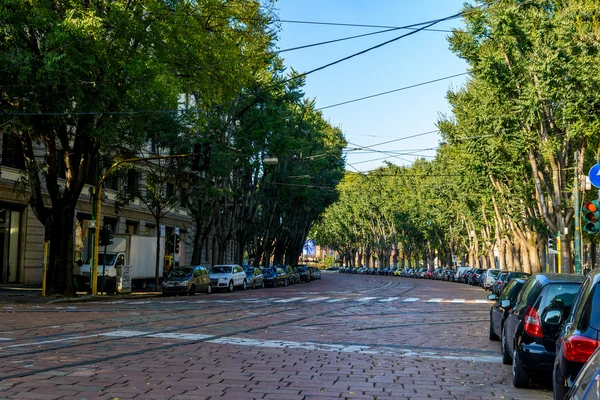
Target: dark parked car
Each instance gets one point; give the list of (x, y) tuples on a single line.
[(187, 279), (254, 277), (275, 277), (476, 276), (505, 302), (303, 273), (579, 335), (587, 385), (530, 332), (506, 277)]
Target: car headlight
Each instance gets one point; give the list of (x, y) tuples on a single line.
[(223, 279), (183, 283)]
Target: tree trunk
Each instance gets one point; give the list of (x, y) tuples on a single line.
[(157, 260), (60, 265)]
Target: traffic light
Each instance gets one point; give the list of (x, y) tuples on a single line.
[(590, 213), (551, 243), (176, 240), (201, 157), (106, 236)]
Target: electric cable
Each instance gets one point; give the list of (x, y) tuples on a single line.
[(392, 91)]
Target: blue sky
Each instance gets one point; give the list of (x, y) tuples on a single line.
[(421, 57)]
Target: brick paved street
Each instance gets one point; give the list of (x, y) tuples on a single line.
[(345, 336)]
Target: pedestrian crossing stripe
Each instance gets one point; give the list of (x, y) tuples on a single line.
[(360, 300)]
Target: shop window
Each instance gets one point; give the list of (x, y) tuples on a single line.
[(111, 223), (132, 227), (149, 230)]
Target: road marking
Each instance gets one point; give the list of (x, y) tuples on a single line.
[(48, 341), (334, 300), (481, 301), (434, 300), (329, 347), (389, 299), (365, 299), (315, 299), (411, 299), (6, 339), (289, 300), (458, 301)]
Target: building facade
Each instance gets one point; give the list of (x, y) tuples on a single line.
[(22, 234)]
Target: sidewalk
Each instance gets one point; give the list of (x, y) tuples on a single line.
[(19, 294)]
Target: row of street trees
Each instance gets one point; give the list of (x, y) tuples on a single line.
[(85, 84), (522, 128)]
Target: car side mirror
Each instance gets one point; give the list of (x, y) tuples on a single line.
[(553, 317), (492, 297), (505, 303)]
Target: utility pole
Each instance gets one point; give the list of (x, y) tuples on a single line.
[(577, 235)]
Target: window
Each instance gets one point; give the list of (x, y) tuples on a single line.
[(111, 223), (133, 179), (112, 182), (170, 190), (149, 229), (12, 152), (132, 227)]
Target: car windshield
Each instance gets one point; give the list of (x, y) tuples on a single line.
[(514, 275), (180, 272), (249, 271), (301, 269), (494, 273), (221, 269), (269, 272)]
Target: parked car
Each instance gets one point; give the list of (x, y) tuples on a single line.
[(505, 302), (254, 277), (227, 276), (579, 335), (303, 273), (458, 274), (490, 277), (530, 332), (447, 275), (506, 277), (475, 276), (587, 384), (187, 279), (428, 274), (275, 277), (293, 273)]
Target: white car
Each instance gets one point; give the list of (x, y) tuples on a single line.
[(228, 276)]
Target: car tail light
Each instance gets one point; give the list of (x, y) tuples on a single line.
[(532, 324), (579, 348)]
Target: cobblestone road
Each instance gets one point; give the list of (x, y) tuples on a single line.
[(345, 336)]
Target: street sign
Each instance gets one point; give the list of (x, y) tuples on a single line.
[(594, 175), (552, 251)]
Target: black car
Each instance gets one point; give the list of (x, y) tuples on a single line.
[(303, 273), (505, 302), (579, 335), (275, 277), (530, 331), (476, 276)]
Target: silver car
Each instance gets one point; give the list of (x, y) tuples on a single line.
[(489, 278), (228, 276), (187, 280)]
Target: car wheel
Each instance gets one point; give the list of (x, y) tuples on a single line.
[(244, 285), (262, 286), (285, 283), (192, 290), (274, 282), (520, 374), (506, 357), (230, 286), (209, 289), (493, 335), (253, 284)]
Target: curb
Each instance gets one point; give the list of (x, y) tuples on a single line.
[(101, 298)]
